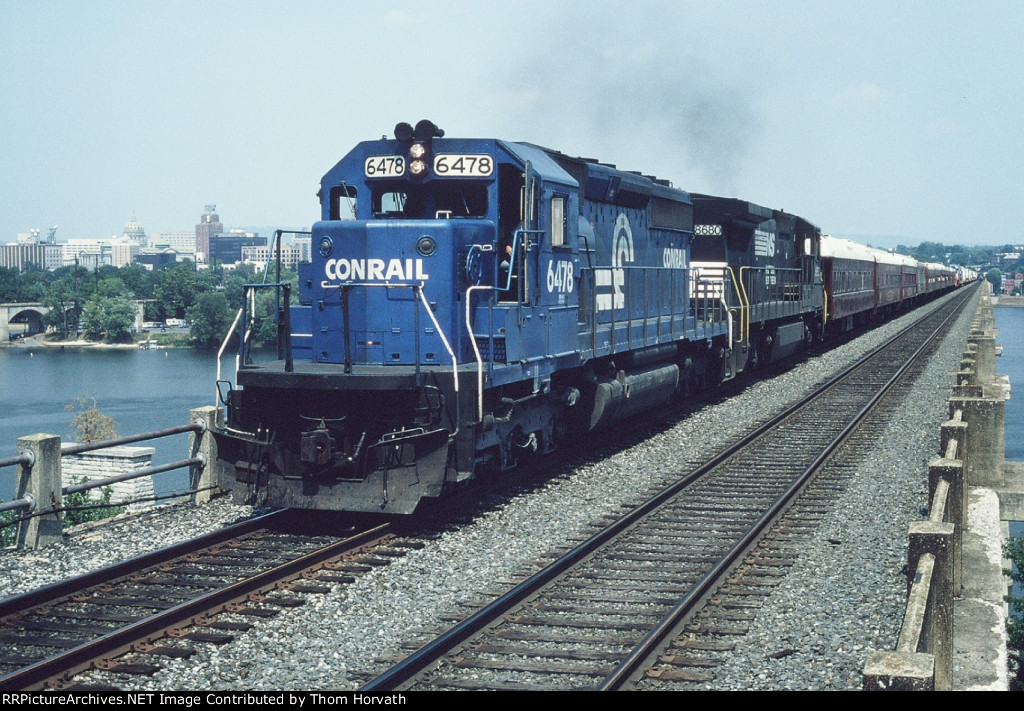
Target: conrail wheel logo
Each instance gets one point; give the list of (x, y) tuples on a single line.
[(622, 254)]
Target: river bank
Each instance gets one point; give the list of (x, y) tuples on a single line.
[(1011, 301), (36, 342)]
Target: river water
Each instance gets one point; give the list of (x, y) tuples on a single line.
[(143, 390), (1010, 321)]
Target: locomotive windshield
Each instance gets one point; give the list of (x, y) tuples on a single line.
[(400, 200)]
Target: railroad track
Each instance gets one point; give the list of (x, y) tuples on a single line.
[(125, 617), (602, 615)]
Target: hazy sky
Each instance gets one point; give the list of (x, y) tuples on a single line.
[(883, 121)]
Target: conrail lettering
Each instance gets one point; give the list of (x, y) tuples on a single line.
[(673, 258), (375, 270)]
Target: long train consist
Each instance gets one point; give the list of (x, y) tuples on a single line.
[(473, 301)]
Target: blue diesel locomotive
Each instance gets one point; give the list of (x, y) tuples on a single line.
[(473, 301)]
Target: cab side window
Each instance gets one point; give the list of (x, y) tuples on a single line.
[(558, 222)]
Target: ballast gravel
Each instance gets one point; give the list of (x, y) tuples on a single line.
[(838, 602)]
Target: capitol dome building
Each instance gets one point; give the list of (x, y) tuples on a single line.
[(133, 231)]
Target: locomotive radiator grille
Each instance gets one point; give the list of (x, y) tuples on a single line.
[(491, 348)]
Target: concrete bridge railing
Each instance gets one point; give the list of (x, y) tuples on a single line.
[(39, 484), (971, 454)]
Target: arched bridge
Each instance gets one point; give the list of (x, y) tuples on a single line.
[(31, 315), (28, 319)]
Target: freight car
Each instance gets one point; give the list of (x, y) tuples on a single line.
[(471, 302)]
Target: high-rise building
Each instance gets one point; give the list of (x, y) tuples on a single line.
[(227, 248), (209, 227), (123, 251), (291, 255), (24, 256), (84, 252), (182, 242)]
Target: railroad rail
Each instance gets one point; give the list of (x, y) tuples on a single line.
[(250, 569), (599, 615)]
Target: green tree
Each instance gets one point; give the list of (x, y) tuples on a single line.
[(8, 284), (960, 256), (234, 289), (60, 298), (930, 252), (1014, 550), (137, 279), (177, 290), (208, 279), (210, 319), (32, 285), (995, 278), (92, 319), (119, 323), (111, 318), (111, 286)]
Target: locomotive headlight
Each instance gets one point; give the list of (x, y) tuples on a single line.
[(417, 167), (417, 150), (426, 245), (326, 246)]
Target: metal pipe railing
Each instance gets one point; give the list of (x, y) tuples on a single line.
[(24, 458), (135, 474), (77, 448)]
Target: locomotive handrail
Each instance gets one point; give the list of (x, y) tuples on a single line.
[(476, 351), (744, 309), (741, 293), (748, 308), (418, 288), (220, 354), (243, 350), (512, 258), (282, 319), (444, 339), (696, 288)]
